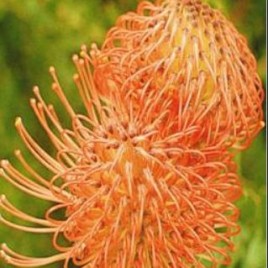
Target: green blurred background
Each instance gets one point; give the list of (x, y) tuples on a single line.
[(35, 34)]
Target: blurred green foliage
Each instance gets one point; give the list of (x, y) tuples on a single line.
[(37, 33)]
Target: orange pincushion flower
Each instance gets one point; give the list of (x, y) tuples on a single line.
[(132, 195), (145, 178), (196, 58)]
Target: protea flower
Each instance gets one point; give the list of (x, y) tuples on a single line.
[(131, 195), (145, 178), (194, 57)]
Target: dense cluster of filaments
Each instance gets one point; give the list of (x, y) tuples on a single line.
[(196, 57), (145, 179)]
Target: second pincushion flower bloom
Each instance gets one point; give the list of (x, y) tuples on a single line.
[(190, 55)]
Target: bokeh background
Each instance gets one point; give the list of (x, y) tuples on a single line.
[(35, 34)]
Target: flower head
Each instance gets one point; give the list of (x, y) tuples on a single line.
[(195, 58), (133, 195), (144, 178)]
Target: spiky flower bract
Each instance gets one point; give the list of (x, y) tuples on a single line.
[(197, 58)]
